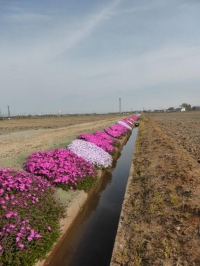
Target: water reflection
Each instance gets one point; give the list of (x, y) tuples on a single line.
[(65, 249)]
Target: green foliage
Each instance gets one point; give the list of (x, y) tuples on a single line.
[(87, 183), (158, 199), (186, 106), (174, 199), (84, 184)]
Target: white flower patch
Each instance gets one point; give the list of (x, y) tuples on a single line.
[(91, 153), (124, 124)]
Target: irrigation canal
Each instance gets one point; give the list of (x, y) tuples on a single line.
[(90, 240)]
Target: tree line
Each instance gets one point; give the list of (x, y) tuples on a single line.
[(187, 107)]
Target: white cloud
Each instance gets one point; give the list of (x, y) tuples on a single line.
[(86, 27), (61, 38), (171, 63)]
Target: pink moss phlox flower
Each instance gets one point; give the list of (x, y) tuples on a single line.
[(119, 128), (37, 236), (124, 124), (113, 133), (20, 245), (20, 181), (135, 117), (100, 142), (18, 187), (29, 238), (128, 121), (116, 131), (32, 233), (59, 166), (108, 138), (12, 226), (49, 227), (8, 215), (17, 239)]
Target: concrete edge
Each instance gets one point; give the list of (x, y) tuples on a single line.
[(72, 211)]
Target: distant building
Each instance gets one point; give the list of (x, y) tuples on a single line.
[(183, 109)]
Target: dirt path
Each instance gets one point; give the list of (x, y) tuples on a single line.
[(18, 143)]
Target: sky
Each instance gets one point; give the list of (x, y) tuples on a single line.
[(81, 56)]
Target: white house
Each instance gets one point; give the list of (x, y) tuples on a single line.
[(183, 109)]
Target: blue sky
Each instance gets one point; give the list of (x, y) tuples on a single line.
[(82, 56)]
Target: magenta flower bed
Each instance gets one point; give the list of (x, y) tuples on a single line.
[(124, 124), (134, 117), (95, 139), (127, 121), (120, 128), (25, 200), (113, 133), (60, 166), (116, 131), (104, 136)]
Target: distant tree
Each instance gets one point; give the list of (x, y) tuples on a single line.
[(195, 108), (186, 106), (171, 108)]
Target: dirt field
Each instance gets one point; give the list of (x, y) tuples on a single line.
[(20, 137), (160, 220), (184, 128)]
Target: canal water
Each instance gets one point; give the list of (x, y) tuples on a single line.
[(90, 240)]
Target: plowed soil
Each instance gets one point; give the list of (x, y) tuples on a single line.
[(184, 128), (160, 220)]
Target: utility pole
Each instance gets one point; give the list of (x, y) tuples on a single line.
[(8, 111), (120, 105)]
